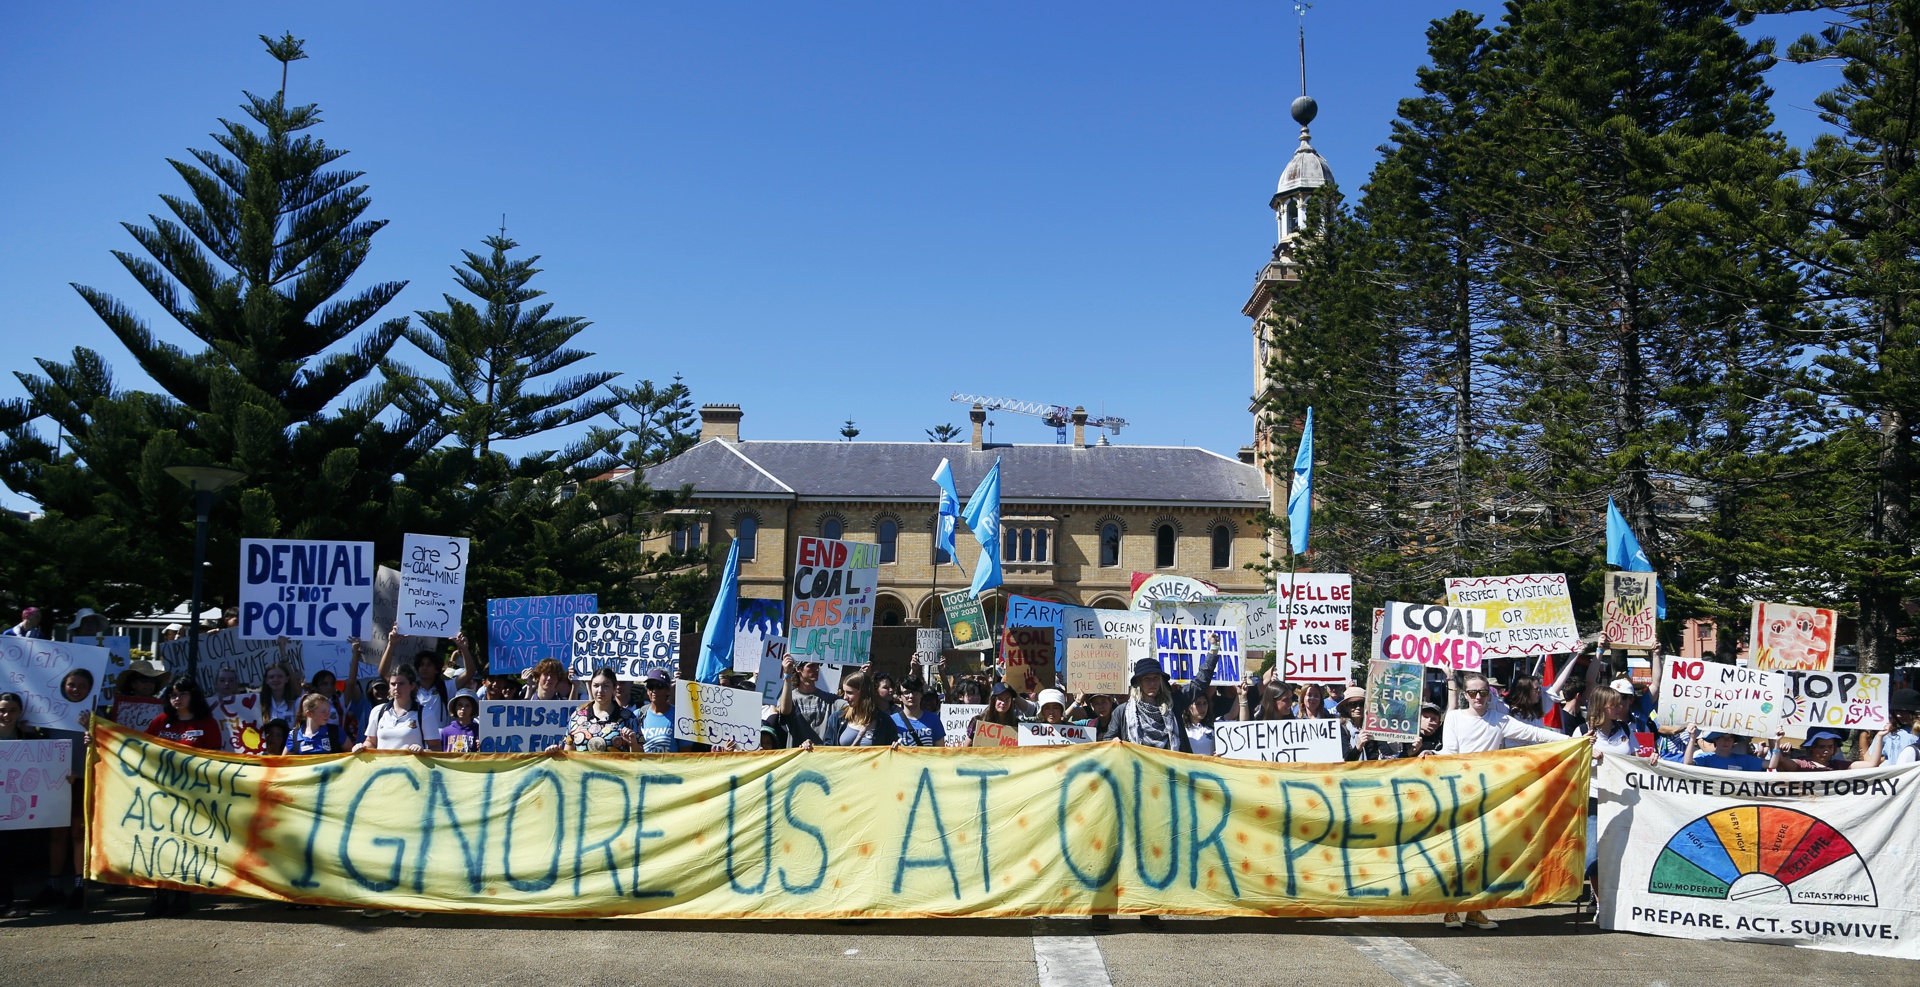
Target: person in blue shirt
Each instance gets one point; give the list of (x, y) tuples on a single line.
[(29, 625), (1729, 753), (1900, 744), (917, 727), (656, 717)]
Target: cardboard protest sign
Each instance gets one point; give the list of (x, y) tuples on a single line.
[(831, 619), (1315, 627), (966, 621), (928, 642), (954, 718), (386, 614), (136, 712), (226, 649), (1494, 830), (1526, 615), (1151, 588), (1026, 658), (1814, 860), (1054, 734), (301, 589), (715, 714), (335, 657), (1439, 637), (34, 791), (757, 626), (1713, 696), (1789, 638), (523, 630), (1181, 649), (1394, 691), (1096, 665), (1260, 615), (38, 670), (1831, 700), (1627, 614), (632, 644), (433, 584), (986, 734), (523, 726), (1299, 741)]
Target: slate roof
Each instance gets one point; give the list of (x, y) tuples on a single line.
[(904, 471)]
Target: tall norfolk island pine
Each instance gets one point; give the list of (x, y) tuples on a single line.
[(254, 263)]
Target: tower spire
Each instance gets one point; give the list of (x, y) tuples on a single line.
[(1304, 109)]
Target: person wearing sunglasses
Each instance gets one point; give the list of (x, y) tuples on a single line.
[(1485, 725)]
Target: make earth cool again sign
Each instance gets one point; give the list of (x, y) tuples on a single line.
[(305, 589)]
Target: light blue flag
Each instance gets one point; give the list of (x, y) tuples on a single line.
[(1300, 498), (1625, 553), (716, 642), (983, 517), (943, 529)]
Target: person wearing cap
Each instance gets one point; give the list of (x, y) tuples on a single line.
[(1356, 744), (1729, 754), (1091, 710), (1901, 747), (1003, 707), (29, 625), (1432, 734), (805, 705), (1823, 752), (654, 721)]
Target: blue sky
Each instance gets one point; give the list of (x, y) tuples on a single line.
[(817, 211)]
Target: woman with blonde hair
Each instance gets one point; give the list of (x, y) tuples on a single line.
[(861, 722)]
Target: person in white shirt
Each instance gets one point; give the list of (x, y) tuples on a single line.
[(1485, 725)]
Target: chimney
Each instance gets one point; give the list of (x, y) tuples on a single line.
[(720, 421), (1246, 455), (979, 417), (1080, 427)]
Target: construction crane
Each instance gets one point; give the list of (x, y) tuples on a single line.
[(1057, 415)]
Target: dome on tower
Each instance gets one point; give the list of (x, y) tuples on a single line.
[(1307, 170)]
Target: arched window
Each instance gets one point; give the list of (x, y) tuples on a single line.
[(889, 537), (686, 538), (1109, 545), (746, 535), (1293, 215), (1040, 545), (830, 528), (1163, 547), (1222, 547), (1009, 545)]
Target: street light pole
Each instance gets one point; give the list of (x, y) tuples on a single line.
[(206, 482)]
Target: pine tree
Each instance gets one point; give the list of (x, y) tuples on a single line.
[(254, 264), (943, 433), (849, 431), (498, 353)]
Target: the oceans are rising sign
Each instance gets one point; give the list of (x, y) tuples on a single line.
[(1441, 637), (433, 584), (831, 620), (1315, 628), (632, 644), (1526, 615), (1713, 696), (305, 589), (1302, 741), (1820, 861)]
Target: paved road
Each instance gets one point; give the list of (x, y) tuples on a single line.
[(234, 941)]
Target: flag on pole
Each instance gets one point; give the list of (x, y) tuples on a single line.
[(983, 518), (1300, 498), (943, 529), (716, 642), (1624, 552)]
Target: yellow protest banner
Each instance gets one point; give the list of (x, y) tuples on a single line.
[(844, 832)]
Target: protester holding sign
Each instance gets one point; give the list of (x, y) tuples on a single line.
[(1355, 743), (856, 721), (601, 723), (1154, 714), (1094, 711), (188, 720), (1823, 753), (1002, 709), (1729, 752), (237, 712), (15, 844), (1053, 706), (654, 721), (803, 706)]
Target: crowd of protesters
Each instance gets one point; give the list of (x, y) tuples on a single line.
[(414, 699)]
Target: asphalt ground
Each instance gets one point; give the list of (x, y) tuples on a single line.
[(232, 940)]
